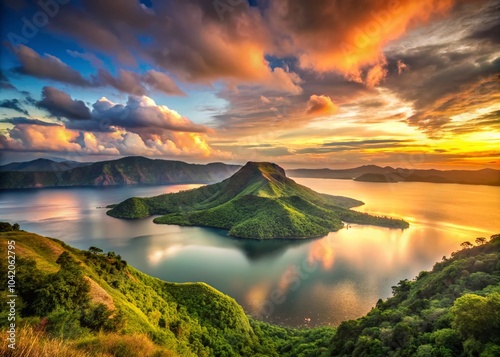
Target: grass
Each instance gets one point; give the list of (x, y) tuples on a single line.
[(32, 342)]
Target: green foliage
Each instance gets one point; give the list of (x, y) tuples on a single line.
[(478, 317), (6, 227), (257, 202), (453, 310)]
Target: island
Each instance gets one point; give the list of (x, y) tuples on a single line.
[(259, 201)]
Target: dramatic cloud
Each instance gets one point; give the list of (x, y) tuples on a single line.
[(142, 112), (42, 138), (51, 67), (93, 29), (138, 128), (347, 36), (194, 44), (60, 104), (13, 104), (24, 137), (48, 67), (453, 79), (320, 105), (300, 81)]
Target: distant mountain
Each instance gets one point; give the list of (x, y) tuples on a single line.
[(374, 178), (259, 202), (372, 173), (125, 171), (43, 165)]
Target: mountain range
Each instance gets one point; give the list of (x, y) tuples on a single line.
[(140, 170), (257, 202), (373, 173), (126, 171)]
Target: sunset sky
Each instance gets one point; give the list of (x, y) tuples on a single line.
[(323, 83)]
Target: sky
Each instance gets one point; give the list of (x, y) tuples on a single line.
[(312, 84)]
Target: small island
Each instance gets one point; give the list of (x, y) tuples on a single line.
[(257, 202)]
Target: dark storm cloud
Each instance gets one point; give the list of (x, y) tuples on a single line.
[(27, 121), (61, 105), (450, 77), (14, 104), (51, 67), (47, 67)]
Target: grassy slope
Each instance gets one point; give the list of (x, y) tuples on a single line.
[(259, 201), (189, 311)]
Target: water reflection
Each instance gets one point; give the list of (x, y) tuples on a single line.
[(327, 280)]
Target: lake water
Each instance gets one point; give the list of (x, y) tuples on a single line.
[(326, 280)]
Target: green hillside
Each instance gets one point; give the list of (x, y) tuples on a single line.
[(259, 202), (454, 310), (90, 303)]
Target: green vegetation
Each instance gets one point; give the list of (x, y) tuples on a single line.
[(454, 310), (258, 202), (90, 303), (7, 227)]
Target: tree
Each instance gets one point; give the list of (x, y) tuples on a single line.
[(16, 227), (480, 240), (5, 227), (476, 317), (466, 245), (95, 250)]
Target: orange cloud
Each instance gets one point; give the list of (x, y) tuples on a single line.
[(376, 74), (24, 137), (40, 138), (320, 105), (349, 37)]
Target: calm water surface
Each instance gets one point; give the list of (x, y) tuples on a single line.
[(327, 280)]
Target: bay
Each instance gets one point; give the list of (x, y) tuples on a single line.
[(294, 283)]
